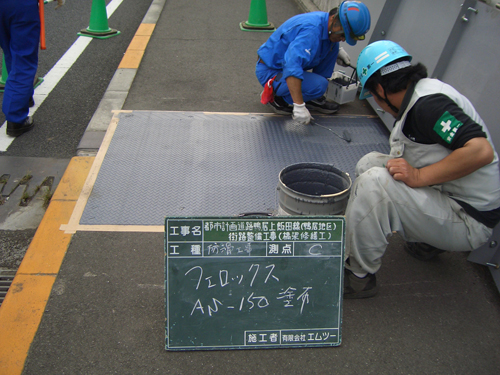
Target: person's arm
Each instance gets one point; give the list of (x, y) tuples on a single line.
[(475, 154), (297, 57), (295, 87), (300, 113)]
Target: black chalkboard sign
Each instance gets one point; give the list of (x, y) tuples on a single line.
[(263, 282)]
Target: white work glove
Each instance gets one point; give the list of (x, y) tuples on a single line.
[(301, 114), (343, 58), (60, 3)]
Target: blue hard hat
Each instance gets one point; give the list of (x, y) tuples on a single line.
[(374, 57), (355, 19)]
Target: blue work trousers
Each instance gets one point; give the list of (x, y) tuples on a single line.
[(19, 39), (313, 85)]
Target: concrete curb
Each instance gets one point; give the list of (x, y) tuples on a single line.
[(120, 84)]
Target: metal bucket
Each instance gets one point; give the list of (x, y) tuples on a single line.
[(313, 189)]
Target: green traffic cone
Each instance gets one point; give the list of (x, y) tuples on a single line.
[(98, 25), (257, 18), (3, 80)]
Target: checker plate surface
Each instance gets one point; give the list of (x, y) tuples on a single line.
[(162, 164)]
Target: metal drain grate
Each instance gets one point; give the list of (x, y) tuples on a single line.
[(6, 278)]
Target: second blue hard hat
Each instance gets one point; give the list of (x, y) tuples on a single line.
[(355, 19)]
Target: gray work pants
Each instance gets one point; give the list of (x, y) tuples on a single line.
[(379, 205)]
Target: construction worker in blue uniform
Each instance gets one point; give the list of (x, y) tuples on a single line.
[(439, 187), (19, 40), (308, 42)]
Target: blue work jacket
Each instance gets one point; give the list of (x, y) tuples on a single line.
[(300, 44)]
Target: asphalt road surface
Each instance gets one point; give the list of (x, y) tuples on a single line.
[(41, 155)]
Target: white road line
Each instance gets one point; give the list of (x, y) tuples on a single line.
[(52, 78)]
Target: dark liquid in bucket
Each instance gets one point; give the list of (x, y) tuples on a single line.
[(314, 181), (313, 189)]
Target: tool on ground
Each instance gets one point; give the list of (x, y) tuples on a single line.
[(345, 134)]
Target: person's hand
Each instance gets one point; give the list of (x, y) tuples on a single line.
[(60, 3), (401, 170), (301, 114), (343, 58)]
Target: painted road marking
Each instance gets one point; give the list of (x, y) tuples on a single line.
[(57, 72), (23, 307), (137, 47)]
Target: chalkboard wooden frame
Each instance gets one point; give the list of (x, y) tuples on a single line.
[(253, 282)]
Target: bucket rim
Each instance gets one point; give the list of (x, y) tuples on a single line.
[(311, 164)]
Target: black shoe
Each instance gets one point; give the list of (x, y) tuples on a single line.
[(280, 106), (356, 287), (422, 251), (15, 129), (322, 105)]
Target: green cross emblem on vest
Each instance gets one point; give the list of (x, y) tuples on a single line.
[(446, 127)]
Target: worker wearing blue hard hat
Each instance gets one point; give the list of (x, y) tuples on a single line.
[(439, 187), (297, 60)]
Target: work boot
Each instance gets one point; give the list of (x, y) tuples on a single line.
[(422, 251), (322, 105), (15, 129), (357, 287), (280, 106)]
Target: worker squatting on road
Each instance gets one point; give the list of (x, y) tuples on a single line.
[(439, 187), (308, 42), (19, 40)]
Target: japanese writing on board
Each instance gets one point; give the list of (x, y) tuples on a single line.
[(253, 282)]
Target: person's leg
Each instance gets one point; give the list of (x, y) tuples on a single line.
[(5, 19), (21, 52), (370, 160), (313, 87), (379, 205), (263, 73), (313, 92)]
